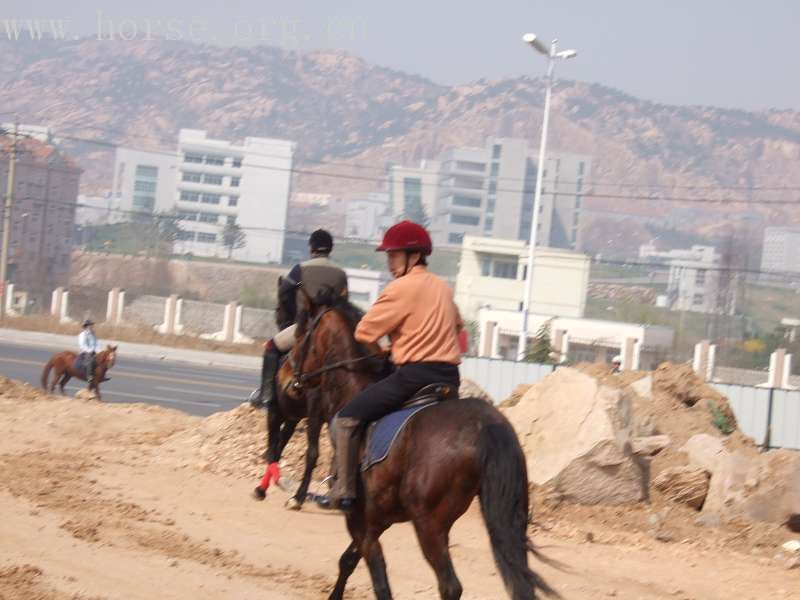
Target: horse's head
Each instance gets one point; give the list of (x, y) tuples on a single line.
[(107, 357), (323, 336)]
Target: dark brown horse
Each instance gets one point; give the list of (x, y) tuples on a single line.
[(290, 408), (63, 364), (444, 457)]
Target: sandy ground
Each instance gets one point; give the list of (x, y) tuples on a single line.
[(98, 502)]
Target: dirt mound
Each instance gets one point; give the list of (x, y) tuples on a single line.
[(232, 443), (679, 382), (28, 581), (17, 390)]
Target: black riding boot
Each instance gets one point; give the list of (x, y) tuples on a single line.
[(90, 369), (269, 368)]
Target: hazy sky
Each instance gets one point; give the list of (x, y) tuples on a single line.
[(732, 53)]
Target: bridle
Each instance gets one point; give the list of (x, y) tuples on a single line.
[(299, 379)]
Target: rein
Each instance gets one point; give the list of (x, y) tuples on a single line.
[(300, 378)]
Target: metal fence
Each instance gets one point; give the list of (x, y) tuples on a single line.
[(770, 416), (499, 377)]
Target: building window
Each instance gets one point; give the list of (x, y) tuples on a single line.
[(578, 202), (492, 187), (698, 300), (235, 181), (237, 163), (467, 182), (193, 158), (190, 196), (464, 219), (193, 177), (490, 205), (233, 200), (488, 223), (579, 185), (146, 171), (144, 186), (185, 215), (144, 203), (496, 150), (231, 220), (210, 198), (212, 179), (455, 238), (209, 217), (486, 267), (467, 165), (185, 236), (576, 217), (504, 270), (215, 160), (466, 201), (581, 168), (206, 238), (495, 169), (700, 277)]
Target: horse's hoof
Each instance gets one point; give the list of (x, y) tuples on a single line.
[(293, 504), (259, 493)]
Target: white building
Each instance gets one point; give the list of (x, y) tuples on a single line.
[(364, 286), (489, 191), (780, 249), (492, 274), (576, 339), (413, 186), (144, 182), (706, 254), (368, 217), (219, 183)]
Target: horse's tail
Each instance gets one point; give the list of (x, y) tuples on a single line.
[(504, 504), (46, 372)]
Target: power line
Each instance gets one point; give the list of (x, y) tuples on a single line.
[(381, 180), (586, 182)]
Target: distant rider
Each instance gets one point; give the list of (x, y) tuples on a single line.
[(87, 348), (315, 275)]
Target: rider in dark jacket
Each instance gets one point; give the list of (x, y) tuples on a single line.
[(315, 275)]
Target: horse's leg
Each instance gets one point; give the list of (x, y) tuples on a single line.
[(370, 549), (64, 379), (433, 539), (312, 455), (347, 564), (286, 434)]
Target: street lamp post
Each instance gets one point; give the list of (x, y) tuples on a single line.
[(552, 55)]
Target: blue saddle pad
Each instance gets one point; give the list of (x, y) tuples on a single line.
[(383, 432), (81, 364)]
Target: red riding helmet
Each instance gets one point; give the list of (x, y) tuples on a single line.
[(406, 235)]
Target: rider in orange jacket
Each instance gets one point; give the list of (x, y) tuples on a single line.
[(417, 313)]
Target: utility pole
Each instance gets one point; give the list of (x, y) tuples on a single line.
[(12, 163)]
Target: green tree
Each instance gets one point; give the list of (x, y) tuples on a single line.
[(163, 232), (540, 350), (233, 237)]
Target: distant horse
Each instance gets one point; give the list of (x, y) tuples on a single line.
[(445, 456), (63, 364)]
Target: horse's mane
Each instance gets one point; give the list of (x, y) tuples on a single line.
[(351, 314), (328, 298)]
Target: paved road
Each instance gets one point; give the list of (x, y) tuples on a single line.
[(195, 389)]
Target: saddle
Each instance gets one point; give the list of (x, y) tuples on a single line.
[(381, 434), (81, 364)]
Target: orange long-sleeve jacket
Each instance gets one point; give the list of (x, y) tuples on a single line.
[(418, 314)]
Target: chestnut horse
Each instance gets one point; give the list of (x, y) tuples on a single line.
[(445, 456), (63, 364)]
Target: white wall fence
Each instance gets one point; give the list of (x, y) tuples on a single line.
[(757, 409)]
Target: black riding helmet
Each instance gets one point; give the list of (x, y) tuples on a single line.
[(321, 242)]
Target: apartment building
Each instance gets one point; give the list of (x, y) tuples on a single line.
[(46, 185)]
